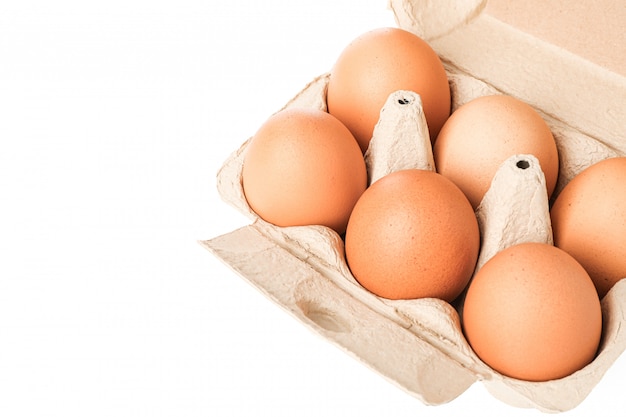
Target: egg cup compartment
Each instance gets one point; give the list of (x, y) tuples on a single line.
[(417, 344)]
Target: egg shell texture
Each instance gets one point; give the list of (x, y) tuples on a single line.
[(303, 167), (589, 221), (480, 135), (532, 313), (376, 64), (413, 234)]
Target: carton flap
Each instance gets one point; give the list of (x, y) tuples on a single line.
[(591, 29)]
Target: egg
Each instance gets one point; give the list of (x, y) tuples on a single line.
[(481, 134), (378, 63), (532, 313), (589, 221), (303, 167), (412, 234)]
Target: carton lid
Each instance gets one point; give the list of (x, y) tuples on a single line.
[(591, 29)]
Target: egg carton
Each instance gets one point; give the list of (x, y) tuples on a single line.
[(418, 344)]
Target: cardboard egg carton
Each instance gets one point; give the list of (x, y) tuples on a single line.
[(418, 344)]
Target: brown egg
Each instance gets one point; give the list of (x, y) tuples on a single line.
[(532, 313), (589, 221), (376, 64), (480, 135), (412, 234), (303, 167)]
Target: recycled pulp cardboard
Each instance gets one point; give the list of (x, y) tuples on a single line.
[(418, 344)]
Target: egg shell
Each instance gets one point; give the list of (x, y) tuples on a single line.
[(532, 313), (481, 134), (374, 65), (412, 234), (418, 344), (303, 167), (589, 221)]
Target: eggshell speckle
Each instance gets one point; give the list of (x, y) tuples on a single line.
[(589, 221), (532, 313), (412, 234)]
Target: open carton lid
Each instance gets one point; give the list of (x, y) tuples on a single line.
[(418, 344)]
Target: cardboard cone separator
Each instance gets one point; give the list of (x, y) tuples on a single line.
[(418, 344)]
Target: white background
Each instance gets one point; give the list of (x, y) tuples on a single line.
[(114, 119)]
